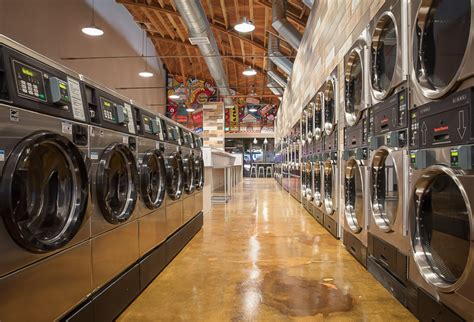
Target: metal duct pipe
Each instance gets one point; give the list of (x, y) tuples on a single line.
[(308, 3), (277, 78), (275, 90), (276, 56), (281, 24), (194, 17)]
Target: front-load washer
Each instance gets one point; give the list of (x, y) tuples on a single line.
[(199, 174), (114, 183), (330, 168), (356, 97), (330, 105), (189, 164), (318, 115), (174, 176), (388, 50), (318, 188), (309, 115), (303, 128), (356, 189), (388, 239), (441, 222), (441, 48), (152, 181), (45, 227)]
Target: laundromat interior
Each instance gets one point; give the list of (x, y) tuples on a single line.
[(236, 160)]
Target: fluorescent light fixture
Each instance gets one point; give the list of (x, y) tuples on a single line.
[(229, 106), (245, 26), (145, 74), (174, 97), (253, 109), (249, 71), (93, 31), (190, 109)]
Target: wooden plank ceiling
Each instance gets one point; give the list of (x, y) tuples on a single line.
[(167, 31)]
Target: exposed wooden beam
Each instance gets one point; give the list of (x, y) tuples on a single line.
[(175, 26), (224, 12), (170, 11), (237, 10)]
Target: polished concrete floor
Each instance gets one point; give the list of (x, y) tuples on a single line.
[(261, 257)]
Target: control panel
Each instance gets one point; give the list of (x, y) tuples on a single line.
[(150, 125), (173, 133), (443, 123), (39, 85)]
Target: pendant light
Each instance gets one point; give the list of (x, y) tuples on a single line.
[(249, 71), (174, 97), (265, 141), (92, 29), (255, 141), (245, 26), (145, 73), (252, 109), (190, 109)]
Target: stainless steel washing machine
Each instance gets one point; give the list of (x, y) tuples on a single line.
[(152, 181), (318, 115), (45, 227), (318, 188), (356, 189), (330, 105), (441, 218), (356, 76), (388, 239), (441, 48), (198, 173), (330, 168), (189, 164), (309, 115), (174, 176), (114, 183), (388, 50)]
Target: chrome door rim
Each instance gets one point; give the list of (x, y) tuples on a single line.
[(317, 193), (328, 202), (438, 93), (380, 95), (353, 118), (318, 108), (352, 166), (419, 254), (330, 91)]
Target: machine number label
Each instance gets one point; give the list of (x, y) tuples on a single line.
[(125, 140), (67, 128), (76, 99), (2, 155), (94, 156)]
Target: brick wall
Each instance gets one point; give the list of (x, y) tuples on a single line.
[(332, 28), (213, 125)]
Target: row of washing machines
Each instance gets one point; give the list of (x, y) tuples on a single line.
[(394, 178), (90, 186)]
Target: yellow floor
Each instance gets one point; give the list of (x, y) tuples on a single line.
[(262, 257)]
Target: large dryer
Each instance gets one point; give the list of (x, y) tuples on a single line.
[(45, 228), (114, 183), (189, 167), (440, 214)]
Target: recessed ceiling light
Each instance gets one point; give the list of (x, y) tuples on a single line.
[(245, 26), (174, 97), (145, 74), (190, 109), (249, 71)]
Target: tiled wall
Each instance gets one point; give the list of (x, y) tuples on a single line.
[(332, 28), (213, 125)]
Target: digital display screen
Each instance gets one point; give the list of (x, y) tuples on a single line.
[(107, 103), (63, 86), (27, 72)]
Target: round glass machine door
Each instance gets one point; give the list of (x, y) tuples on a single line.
[(329, 187), (153, 179), (309, 181), (385, 190), (440, 41), (384, 56), (199, 172), (318, 116), (310, 121), (441, 236), (188, 174), (354, 88), (354, 194), (329, 107), (174, 176), (44, 189), (317, 184), (116, 183)]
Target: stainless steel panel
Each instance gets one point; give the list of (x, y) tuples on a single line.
[(174, 216), (48, 289), (199, 200), (152, 230), (189, 208), (114, 251)]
